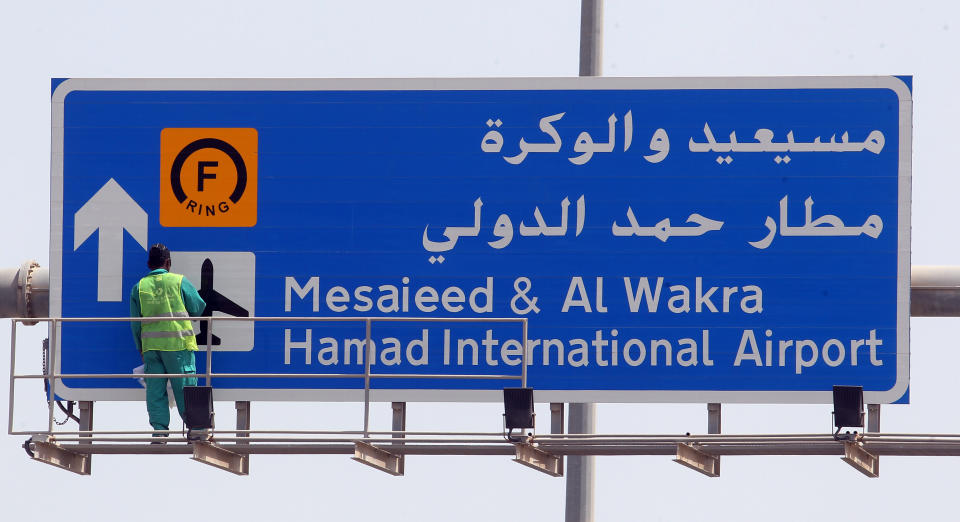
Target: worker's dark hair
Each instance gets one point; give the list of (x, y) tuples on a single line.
[(159, 254)]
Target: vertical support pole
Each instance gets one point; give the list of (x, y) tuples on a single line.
[(366, 383), (399, 424), (713, 425), (243, 419), (713, 418), (86, 424), (591, 37), (556, 417), (583, 416), (873, 418), (13, 365), (51, 370), (556, 426), (873, 426), (580, 476), (209, 349), (86, 419), (526, 355)]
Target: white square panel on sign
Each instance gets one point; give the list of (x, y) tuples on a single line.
[(226, 282)]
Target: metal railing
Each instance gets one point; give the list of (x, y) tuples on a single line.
[(53, 377), (72, 449), (248, 441)]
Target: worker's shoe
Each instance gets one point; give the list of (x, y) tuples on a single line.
[(198, 435), (161, 438)]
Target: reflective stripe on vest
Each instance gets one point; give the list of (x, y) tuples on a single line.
[(160, 297)]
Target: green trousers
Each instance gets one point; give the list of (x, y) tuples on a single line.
[(157, 361)]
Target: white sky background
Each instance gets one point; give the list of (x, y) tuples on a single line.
[(503, 38)]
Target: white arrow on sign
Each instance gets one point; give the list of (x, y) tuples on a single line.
[(110, 210)]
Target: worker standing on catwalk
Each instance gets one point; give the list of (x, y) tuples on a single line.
[(166, 345)]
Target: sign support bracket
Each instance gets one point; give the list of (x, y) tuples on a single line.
[(399, 424), (86, 424), (860, 459), (556, 426), (243, 419), (533, 457), (375, 457), (47, 451), (222, 458), (873, 426), (697, 460), (713, 425)]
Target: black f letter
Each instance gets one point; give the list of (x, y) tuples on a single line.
[(201, 175)]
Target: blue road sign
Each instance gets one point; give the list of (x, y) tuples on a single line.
[(668, 240)]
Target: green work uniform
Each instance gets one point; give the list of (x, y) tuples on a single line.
[(167, 345)]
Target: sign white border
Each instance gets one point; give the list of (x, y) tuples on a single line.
[(588, 83)]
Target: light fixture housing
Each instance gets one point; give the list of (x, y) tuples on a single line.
[(198, 406), (518, 408), (847, 407)]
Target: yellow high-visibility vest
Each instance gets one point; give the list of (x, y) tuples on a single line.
[(160, 297)]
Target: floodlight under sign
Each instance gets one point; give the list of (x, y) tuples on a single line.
[(518, 409), (198, 403), (847, 407)]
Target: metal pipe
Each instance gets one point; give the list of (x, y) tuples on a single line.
[(182, 375), (455, 437), (523, 374), (10, 293), (399, 426), (810, 444), (713, 418), (24, 291), (591, 38), (389, 436), (873, 417), (271, 376), (86, 420), (52, 359), (243, 419), (366, 381), (503, 448), (935, 291), (934, 276), (13, 363), (209, 349), (495, 435), (580, 468), (582, 418), (39, 291), (682, 438), (447, 376), (290, 319), (386, 442), (317, 449)]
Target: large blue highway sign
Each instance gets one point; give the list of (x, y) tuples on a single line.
[(668, 240)]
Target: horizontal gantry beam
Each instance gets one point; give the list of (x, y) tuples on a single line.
[(543, 453), (560, 445)]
